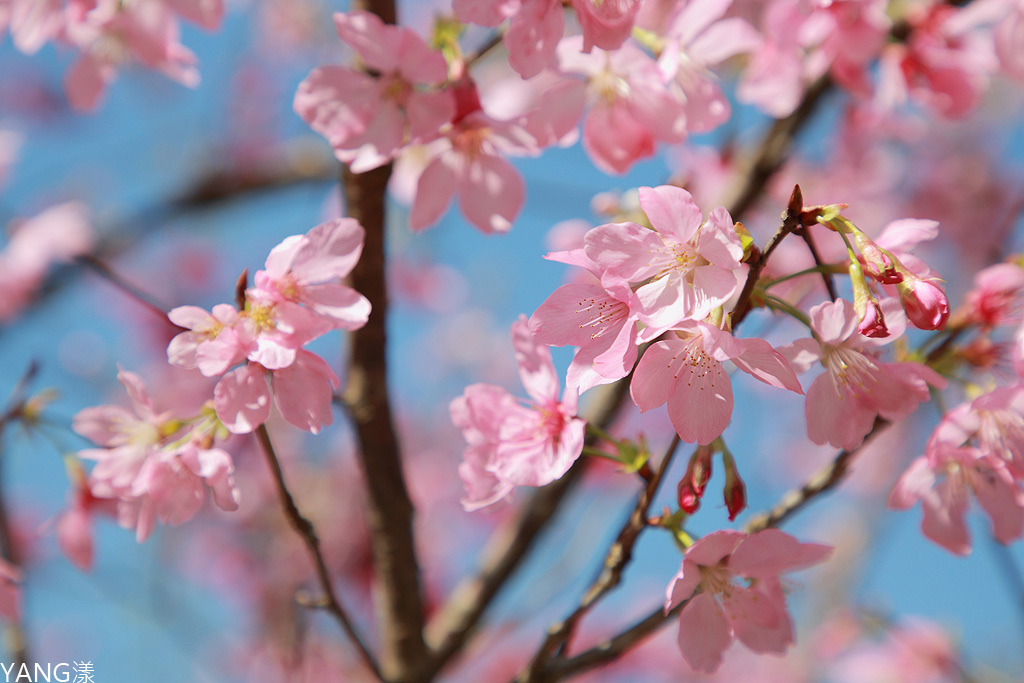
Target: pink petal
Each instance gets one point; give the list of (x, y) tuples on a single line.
[(434, 191), (758, 618), (771, 552), (1001, 497), (701, 406), (672, 211), (535, 366), (346, 307), (718, 242), (943, 521), (657, 373), (713, 548), (913, 485), (704, 634), (623, 250), (491, 193), (74, 536), (682, 585), (428, 112), (533, 35), (329, 251), (766, 364), (242, 399), (337, 102), (303, 391), (86, 80), (375, 41), (724, 39)]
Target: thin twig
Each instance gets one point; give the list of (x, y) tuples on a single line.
[(830, 285), (8, 550), (617, 558), (141, 297), (613, 648), (823, 481), (306, 531)]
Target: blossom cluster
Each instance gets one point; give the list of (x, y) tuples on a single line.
[(107, 34), (634, 74), (156, 464)]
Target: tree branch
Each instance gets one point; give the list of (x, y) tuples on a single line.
[(618, 556), (390, 510), (304, 528)]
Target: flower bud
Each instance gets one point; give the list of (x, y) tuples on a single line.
[(873, 324), (924, 302), (878, 263), (693, 483), (735, 492)]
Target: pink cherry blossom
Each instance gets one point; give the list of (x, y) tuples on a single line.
[(691, 266), (368, 119), (533, 33), (303, 391), (944, 63), (686, 372), (730, 582), (943, 480), (995, 299), (843, 402), (211, 342), (57, 235), (146, 463), (993, 423), (600, 320), (511, 444), (469, 161), (696, 38), (606, 23), (633, 104), (308, 269), (110, 33)]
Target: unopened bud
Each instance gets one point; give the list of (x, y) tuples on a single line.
[(924, 302), (735, 492)]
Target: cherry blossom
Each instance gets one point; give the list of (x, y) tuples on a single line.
[(469, 160), (600, 320), (694, 36), (533, 33), (995, 299), (730, 583), (691, 266), (369, 119), (511, 444), (606, 24), (943, 480), (633, 103), (150, 464), (686, 371), (111, 33), (843, 402)]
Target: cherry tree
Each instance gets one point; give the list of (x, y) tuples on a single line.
[(491, 450)]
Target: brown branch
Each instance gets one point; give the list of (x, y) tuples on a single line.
[(773, 150), (110, 275), (825, 480), (808, 238), (390, 510), (304, 528), (15, 408), (613, 648), (618, 557)]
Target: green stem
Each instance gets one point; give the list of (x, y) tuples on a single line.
[(778, 304), (827, 268)]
